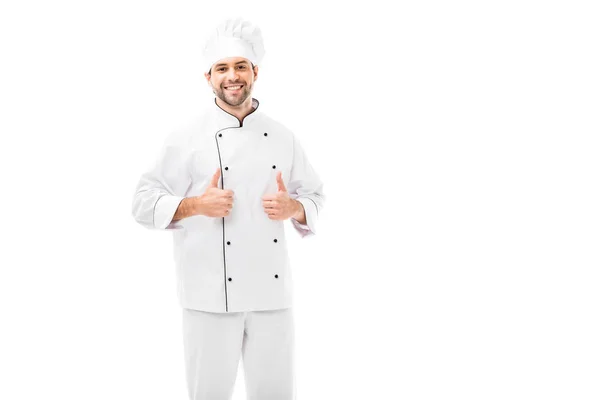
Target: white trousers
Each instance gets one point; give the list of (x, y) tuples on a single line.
[(214, 342)]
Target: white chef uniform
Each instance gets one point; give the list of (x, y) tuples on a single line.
[(239, 262), (233, 273)]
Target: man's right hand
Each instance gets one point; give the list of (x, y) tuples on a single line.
[(216, 202)]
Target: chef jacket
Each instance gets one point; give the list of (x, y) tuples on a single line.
[(238, 262)]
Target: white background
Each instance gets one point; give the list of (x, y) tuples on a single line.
[(458, 251)]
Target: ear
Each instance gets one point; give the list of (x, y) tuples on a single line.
[(207, 76), (255, 72)]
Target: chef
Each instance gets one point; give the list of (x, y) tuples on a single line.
[(224, 184)]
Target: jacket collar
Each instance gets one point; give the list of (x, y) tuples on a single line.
[(227, 120)]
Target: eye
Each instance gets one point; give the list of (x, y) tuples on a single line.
[(220, 69), (242, 66)]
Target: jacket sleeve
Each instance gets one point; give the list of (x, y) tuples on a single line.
[(163, 186), (306, 187)]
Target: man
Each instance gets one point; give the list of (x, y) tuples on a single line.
[(233, 272)]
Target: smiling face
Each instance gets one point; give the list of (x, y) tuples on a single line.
[(232, 79)]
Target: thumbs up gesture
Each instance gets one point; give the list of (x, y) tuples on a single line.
[(280, 206), (216, 202)]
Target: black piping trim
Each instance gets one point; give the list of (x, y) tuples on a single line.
[(223, 185), (241, 122)]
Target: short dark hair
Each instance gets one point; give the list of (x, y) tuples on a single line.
[(210, 70)]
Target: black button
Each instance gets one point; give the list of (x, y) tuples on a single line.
[(228, 242), (275, 240), (276, 276), (229, 279), (273, 167), (265, 133), (220, 134), (226, 168)]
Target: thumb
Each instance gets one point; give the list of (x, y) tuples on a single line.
[(215, 179), (280, 184)]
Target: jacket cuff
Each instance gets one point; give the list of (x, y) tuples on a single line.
[(164, 210), (311, 214)]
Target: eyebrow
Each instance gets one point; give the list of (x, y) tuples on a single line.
[(224, 65)]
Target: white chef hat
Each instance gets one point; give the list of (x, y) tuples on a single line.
[(233, 38)]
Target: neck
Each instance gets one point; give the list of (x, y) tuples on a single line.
[(239, 111)]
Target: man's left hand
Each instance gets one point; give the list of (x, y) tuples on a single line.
[(279, 206)]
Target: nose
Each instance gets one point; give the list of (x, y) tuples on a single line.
[(232, 74)]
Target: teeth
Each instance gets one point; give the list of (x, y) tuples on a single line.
[(233, 87)]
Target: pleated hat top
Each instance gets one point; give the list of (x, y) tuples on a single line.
[(233, 38)]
